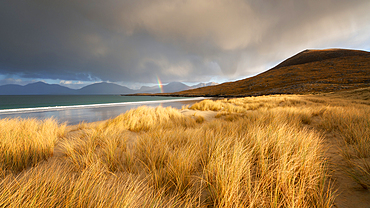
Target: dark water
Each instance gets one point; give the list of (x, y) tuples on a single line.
[(74, 109)]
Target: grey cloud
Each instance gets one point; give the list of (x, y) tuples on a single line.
[(176, 40), (229, 24), (11, 81)]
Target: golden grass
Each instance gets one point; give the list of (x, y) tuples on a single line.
[(144, 118), (264, 167), (258, 152), (217, 106), (25, 142), (199, 119), (345, 114), (57, 185), (353, 126)]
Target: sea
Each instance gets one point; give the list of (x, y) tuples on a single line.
[(74, 109)]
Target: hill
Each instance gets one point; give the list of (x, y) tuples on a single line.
[(173, 87), (168, 88), (41, 88), (104, 88), (309, 71), (37, 88)]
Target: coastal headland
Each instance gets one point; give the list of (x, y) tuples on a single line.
[(310, 71)]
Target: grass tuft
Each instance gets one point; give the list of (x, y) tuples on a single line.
[(26, 142)]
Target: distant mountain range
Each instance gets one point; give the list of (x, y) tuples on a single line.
[(102, 88), (173, 87)]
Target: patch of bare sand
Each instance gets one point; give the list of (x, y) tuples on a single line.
[(350, 194), (207, 115)]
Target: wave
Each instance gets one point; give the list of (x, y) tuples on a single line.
[(57, 108)]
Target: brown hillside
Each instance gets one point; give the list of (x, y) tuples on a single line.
[(309, 71), (308, 56)]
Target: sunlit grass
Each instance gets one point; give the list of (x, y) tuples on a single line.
[(144, 118), (25, 142), (353, 126), (257, 152)]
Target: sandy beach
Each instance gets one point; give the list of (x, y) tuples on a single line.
[(76, 114)]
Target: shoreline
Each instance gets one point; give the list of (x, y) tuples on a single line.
[(57, 108), (208, 116), (73, 115)]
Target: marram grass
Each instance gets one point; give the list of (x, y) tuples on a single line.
[(156, 157), (25, 142), (263, 151)]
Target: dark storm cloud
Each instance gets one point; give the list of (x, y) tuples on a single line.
[(176, 40)]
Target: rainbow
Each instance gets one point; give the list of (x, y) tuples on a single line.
[(160, 85)]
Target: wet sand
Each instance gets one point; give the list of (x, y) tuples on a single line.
[(73, 116)]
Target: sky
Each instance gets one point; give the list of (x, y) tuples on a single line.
[(137, 42)]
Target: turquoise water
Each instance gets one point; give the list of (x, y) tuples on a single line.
[(34, 101), (74, 109)]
